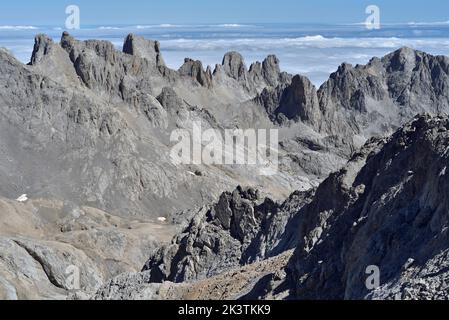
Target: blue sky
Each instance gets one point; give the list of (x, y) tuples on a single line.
[(103, 12)]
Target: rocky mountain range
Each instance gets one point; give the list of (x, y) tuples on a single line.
[(85, 149)]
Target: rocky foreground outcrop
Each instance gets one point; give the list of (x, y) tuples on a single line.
[(390, 213), (239, 229), (386, 208)]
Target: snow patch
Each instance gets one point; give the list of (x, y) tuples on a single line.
[(22, 198)]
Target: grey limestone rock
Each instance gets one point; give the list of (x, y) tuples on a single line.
[(144, 48), (386, 208), (239, 229), (194, 69), (89, 124)]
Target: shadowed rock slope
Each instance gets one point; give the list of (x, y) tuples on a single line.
[(387, 208), (240, 229)]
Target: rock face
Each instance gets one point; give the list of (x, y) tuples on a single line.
[(367, 100), (297, 102), (195, 70), (234, 66), (388, 209), (42, 46), (271, 70), (259, 76), (147, 49), (49, 59), (241, 228), (104, 69)]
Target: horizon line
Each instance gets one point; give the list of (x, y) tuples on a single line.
[(233, 24)]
